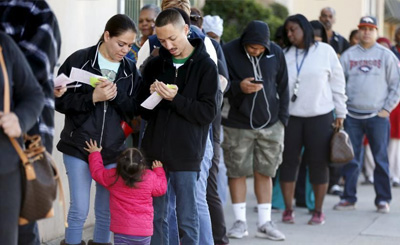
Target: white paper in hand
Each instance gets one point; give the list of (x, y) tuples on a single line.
[(82, 76), (151, 102), (62, 80)]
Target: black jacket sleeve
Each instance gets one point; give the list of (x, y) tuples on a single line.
[(27, 96), (283, 89), (75, 100)]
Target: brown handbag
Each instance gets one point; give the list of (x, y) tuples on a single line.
[(341, 147), (40, 171)]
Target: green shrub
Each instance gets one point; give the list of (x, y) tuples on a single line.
[(238, 13)]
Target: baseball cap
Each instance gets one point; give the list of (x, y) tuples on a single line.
[(368, 21)]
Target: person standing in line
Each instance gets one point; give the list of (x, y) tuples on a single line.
[(26, 103), (147, 17), (317, 88), (396, 48), (34, 27), (177, 129), (150, 47), (96, 112), (213, 199), (149, 50), (213, 27), (337, 41), (393, 147), (373, 87), (339, 44), (394, 142), (354, 38), (132, 186), (256, 113)]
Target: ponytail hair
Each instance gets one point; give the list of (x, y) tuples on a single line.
[(130, 166)]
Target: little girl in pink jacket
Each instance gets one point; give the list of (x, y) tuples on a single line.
[(131, 187)]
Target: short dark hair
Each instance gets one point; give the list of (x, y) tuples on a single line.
[(118, 24), (196, 17), (318, 26), (308, 32), (353, 33), (169, 16)]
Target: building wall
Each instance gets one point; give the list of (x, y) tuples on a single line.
[(81, 23), (348, 13)]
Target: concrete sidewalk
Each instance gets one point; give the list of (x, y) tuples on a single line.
[(363, 226)]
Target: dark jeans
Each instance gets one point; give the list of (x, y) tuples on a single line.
[(213, 199), (377, 130), (335, 172), (28, 234), (10, 204), (214, 203)]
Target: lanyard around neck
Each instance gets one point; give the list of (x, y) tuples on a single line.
[(298, 67)]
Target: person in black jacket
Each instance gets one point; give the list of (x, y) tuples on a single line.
[(26, 103), (337, 41), (97, 113), (177, 128), (254, 122), (34, 27)]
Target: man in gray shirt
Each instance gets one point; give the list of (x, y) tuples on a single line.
[(372, 75)]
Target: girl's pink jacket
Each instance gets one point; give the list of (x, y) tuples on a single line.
[(131, 208)]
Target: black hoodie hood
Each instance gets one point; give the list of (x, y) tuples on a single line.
[(256, 32)]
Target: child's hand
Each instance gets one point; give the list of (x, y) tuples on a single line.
[(92, 146), (156, 164)]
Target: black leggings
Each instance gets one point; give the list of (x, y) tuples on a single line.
[(314, 134)]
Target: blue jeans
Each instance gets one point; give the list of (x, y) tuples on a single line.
[(206, 235), (131, 240), (80, 180), (377, 130), (183, 183)]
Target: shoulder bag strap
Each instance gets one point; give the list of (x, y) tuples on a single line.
[(30, 172)]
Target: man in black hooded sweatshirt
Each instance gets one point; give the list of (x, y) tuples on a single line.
[(253, 121), (177, 128)]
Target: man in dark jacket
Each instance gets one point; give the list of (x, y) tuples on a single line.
[(177, 128), (254, 120), (337, 41)]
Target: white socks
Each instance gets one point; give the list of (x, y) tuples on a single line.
[(239, 210), (264, 213)]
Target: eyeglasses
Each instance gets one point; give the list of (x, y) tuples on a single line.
[(196, 17)]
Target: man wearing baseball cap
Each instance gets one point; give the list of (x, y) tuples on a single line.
[(373, 90)]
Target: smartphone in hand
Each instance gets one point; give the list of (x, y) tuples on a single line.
[(257, 81)]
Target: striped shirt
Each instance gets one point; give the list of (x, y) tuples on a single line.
[(34, 27)]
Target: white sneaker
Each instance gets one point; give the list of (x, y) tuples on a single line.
[(270, 231), (238, 230)]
